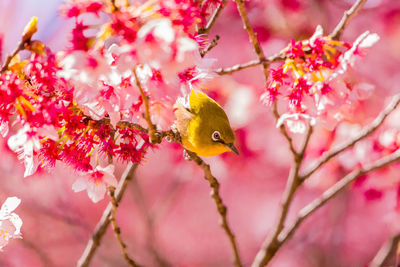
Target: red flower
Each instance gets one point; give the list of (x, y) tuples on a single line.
[(278, 75), (295, 49)]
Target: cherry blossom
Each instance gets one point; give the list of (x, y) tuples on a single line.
[(10, 222), (96, 182), (312, 79), (25, 142)]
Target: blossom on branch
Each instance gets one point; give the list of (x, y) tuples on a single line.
[(312, 81), (89, 96)]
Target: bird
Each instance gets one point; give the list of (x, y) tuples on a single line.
[(203, 125)]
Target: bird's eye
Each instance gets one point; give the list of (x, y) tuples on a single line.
[(216, 136)]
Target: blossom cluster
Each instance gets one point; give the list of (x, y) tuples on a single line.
[(313, 83), (84, 106)]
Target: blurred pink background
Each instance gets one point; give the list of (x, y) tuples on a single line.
[(168, 208)]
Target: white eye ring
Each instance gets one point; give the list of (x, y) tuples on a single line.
[(216, 136)]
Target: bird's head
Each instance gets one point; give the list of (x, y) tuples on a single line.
[(217, 136)]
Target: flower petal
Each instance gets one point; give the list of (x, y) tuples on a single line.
[(9, 206), (79, 185), (96, 191)]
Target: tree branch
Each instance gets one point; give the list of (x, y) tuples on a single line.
[(347, 17), (386, 252), (29, 31), (210, 46), (222, 209), (213, 18), (369, 129), (283, 130), (155, 138), (252, 36), (19, 48), (117, 229), (101, 227), (265, 63), (271, 244), (336, 34), (334, 190), (230, 70)]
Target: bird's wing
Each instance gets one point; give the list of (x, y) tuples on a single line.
[(183, 117)]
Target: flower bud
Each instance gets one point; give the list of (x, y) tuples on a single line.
[(30, 29)]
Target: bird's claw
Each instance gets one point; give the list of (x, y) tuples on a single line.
[(186, 155)]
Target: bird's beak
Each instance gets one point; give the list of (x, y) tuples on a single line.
[(232, 148)]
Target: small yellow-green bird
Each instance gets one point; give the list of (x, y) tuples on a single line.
[(203, 125)]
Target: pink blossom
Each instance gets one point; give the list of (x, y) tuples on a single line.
[(314, 82), (25, 142), (10, 222), (96, 182), (297, 122)]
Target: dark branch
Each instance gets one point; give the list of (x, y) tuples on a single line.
[(210, 46), (153, 134), (222, 209), (271, 244), (103, 223), (117, 229)]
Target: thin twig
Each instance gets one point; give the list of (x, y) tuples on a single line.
[(222, 209), (283, 130), (306, 141), (210, 46), (102, 225), (369, 129), (252, 36), (155, 138), (213, 18), (29, 31), (265, 63), (386, 253), (347, 17), (121, 124), (334, 190), (19, 48), (271, 59), (117, 229), (271, 244)]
